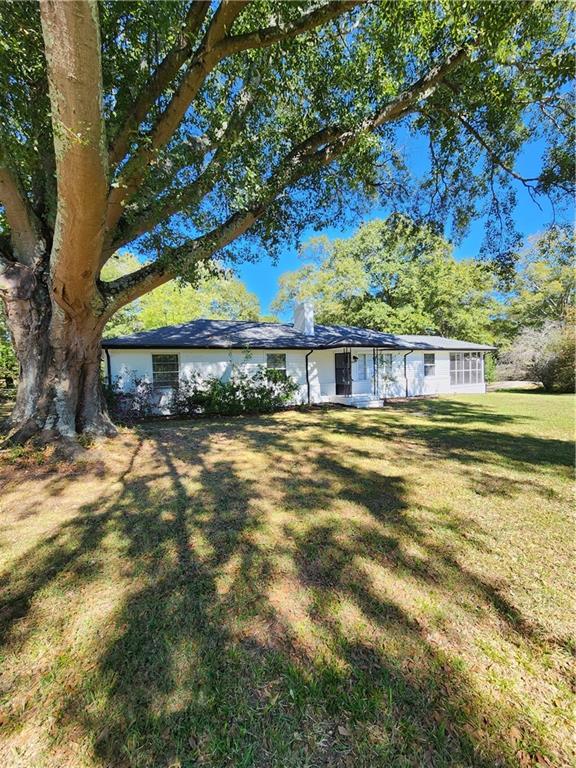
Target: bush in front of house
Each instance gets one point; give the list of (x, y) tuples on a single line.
[(263, 391), (138, 401)]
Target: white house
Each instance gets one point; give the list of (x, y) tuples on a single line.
[(330, 363)]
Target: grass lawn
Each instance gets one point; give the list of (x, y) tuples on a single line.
[(322, 588)]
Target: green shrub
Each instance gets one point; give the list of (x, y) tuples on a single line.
[(9, 366), (261, 392), (135, 402), (560, 375), (489, 367)]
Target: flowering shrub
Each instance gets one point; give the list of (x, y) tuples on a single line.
[(135, 402), (264, 391), (260, 392)]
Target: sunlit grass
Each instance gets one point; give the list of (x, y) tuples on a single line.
[(322, 588)]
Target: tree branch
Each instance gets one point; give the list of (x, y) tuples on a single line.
[(17, 281), (332, 140), (129, 287), (25, 229), (193, 193), (212, 50), (327, 138), (125, 289), (160, 80), (203, 61), (491, 152), (315, 152), (75, 77), (263, 38)]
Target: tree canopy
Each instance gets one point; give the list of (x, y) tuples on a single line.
[(217, 297), (219, 118), (544, 286), (394, 276)]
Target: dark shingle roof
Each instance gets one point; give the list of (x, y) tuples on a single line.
[(441, 342), (241, 334)]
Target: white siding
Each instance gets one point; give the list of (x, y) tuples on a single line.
[(439, 384), (130, 364), (362, 386), (395, 386), (324, 376)]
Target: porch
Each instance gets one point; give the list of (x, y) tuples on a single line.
[(356, 377)]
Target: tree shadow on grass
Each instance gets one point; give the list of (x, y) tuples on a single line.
[(457, 437), (253, 636), (224, 678), (71, 549), (538, 390), (455, 412)]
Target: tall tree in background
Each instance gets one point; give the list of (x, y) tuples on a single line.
[(544, 287), (180, 127), (220, 296), (395, 276), (541, 313)]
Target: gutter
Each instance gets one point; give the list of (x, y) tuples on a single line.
[(307, 376), (406, 370), (108, 367)]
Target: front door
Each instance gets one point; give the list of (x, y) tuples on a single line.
[(343, 363)]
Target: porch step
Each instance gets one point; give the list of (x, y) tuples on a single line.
[(365, 403), (355, 401)]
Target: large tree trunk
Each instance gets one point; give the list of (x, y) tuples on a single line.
[(59, 390)]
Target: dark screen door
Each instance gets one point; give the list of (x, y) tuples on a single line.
[(343, 363)]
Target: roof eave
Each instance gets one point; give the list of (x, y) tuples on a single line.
[(394, 347)]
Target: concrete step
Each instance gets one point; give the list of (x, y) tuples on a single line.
[(354, 401)]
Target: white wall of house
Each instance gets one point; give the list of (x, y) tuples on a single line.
[(130, 364), (438, 383)]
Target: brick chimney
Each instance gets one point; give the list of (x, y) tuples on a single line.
[(304, 318)]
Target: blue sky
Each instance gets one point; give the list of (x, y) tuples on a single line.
[(262, 276)]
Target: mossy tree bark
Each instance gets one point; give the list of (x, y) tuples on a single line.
[(59, 391)]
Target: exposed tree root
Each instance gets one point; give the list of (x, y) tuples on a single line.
[(20, 435), (100, 426), (66, 447)]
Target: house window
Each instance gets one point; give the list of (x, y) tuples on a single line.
[(361, 370), (165, 370), (466, 368), (429, 364), (386, 361), (276, 361)]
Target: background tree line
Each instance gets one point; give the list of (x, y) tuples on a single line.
[(401, 277), (396, 276)]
